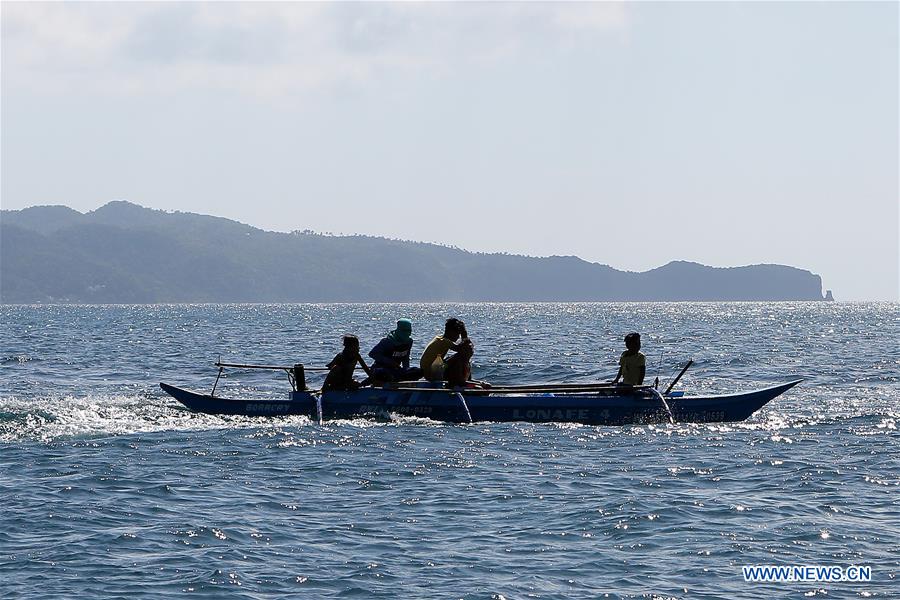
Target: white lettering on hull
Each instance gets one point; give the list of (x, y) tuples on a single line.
[(267, 407), (400, 410), (555, 414)]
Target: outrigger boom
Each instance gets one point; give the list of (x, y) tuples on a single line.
[(271, 367)]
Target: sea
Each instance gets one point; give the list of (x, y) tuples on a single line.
[(109, 488)]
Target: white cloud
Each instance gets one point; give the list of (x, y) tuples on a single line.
[(272, 49)]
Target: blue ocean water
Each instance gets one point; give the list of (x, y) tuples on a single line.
[(109, 488)]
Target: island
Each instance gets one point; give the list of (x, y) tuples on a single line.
[(126, 253)]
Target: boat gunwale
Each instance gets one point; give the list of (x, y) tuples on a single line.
[(627, 392)]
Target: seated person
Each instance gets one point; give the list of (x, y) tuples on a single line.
[(632, 364), (391, 355), (340, 374), (432, 361), (458, 368)]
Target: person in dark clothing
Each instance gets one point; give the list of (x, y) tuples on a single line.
[(458, 368), (391, 355), (340, 374)]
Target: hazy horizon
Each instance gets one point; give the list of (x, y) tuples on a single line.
[(625, 134)]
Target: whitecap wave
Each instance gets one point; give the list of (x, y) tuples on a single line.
[(51, 418)]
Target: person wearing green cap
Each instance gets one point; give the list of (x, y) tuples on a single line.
[(391, 355)]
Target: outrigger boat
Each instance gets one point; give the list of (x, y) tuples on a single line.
[(590, 404)]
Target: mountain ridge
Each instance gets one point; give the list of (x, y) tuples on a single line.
[(125, 253)]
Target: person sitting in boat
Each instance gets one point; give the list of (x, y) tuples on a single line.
[(340, 374), (432, 361), (391, 355), (458, 368), (632, 364)]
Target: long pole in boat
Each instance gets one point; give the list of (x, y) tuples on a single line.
[(213, 392), (661, 358), (270, 367), (662, 397), (674, 381)]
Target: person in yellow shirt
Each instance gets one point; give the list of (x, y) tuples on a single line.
[(432, 362), (632, 364)]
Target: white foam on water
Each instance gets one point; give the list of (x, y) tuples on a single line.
[(18, 358), (394, 421), (51, 418)]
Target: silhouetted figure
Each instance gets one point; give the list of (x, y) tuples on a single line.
[(391, 355), (632, 364), (458, 368), (341, 367), (432, 362)]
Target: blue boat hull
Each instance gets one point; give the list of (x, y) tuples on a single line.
[(608, 406)]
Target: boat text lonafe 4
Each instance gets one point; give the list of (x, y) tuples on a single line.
[(590, 404)]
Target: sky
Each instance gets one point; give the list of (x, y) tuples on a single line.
[(627, 134)]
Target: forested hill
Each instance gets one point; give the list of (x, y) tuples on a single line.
[(124, 253)]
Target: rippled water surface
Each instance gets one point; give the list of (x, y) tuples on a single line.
[(109, 488)]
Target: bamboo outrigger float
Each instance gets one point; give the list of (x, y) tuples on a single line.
[(590, 404)]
